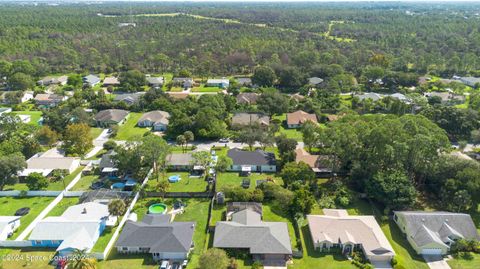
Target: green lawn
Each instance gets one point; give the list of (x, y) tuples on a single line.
[(203, 88), (53, 186), (290, 133), (129, 130), (186, 184), (232, 178), (84, 183), (467, 261), (34, 115), (9, 205), (95, 132), (122, 261), (65, 203), (104, 238), (27, 258)]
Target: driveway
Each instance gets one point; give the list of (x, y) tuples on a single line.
[(436, 262), (98, 143)]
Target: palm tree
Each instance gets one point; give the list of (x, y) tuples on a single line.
[(81, 260), (117, 207)]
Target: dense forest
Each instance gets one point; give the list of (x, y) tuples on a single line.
[(223, 39)]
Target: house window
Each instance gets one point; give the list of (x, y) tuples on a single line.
[(125, 248), (38, 242)]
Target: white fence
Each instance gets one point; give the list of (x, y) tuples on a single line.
[(29, 193), (15, 244)]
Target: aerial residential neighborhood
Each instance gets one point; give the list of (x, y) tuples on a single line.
[(227, 135)]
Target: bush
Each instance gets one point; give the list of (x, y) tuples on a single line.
[(394, 262), (109, 145), (257, 265), (233, 263)]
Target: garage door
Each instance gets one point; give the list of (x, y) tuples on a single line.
[(432, 251)]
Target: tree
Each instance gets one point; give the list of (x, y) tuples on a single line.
[(109, 145), (286, 148), (75, 81), (181, 141), (77, 139), (10, 165), (154, 150), (392, 188), (81, 260), (202, 158), (132, 80), (117, 207), (20, 82), (303, 201), (264, 76), (189, 137), (223, 163), (213, 258), (36, 181), (47, 136), (250, 135), (297, 172), (311, 134), (273, 103)]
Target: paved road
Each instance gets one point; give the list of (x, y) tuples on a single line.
[(436, 262)]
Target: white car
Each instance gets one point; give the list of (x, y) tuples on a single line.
[(165, 265), (223, 140)]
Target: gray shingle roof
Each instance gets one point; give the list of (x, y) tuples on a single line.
[(250, 118), (156, 117), (116, 115), (107, 160), (246, 230), (257, 157), (156, 233), (428, 227), (179, 159)]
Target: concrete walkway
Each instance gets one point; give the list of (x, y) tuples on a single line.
[(98, 144), (436, 262)]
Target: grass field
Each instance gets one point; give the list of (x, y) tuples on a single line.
[(467, 261), (95, 132), (9, 205), (232, 178), (122, 261), (186, 184), (129, 130), (53, 186), (104, 238), (34, 116), (203, 88), (84, 183), (290, 133), (27, 258), (62, 206)]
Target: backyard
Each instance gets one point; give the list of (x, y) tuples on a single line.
[(34, 116), (467, 261), (65, 203), (129, 130), (53, 186), (85, 182), (9, 205), (28, 258), (290, 133), (232, 178), (203, 88), (186, 184)]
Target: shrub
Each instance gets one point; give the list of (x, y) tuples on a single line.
[(257, 265), (109, 145), (394, 262)]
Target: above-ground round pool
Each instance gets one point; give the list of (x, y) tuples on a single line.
[(157, 208), (174, 178), (118, 186)]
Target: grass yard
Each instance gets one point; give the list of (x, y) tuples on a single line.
[(34, 116), (232, 178), (9, 205), (27, 258), (95, 132), (129, 130), (290, 133), (467, 261), (176, 89), (65, 203), (186, 184), (53, 186), (85, 182), (122, 261), (104, 238), (204, 88)]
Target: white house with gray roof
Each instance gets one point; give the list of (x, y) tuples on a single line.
[(254, 161), (157, 119), (108, 117), (432, 233), (79, 227), (91, 80), (336, 229), (268, 242), (470, 81), (156, 235)]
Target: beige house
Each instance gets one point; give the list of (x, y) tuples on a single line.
[(298, 118), (432, 233), (337, 229)]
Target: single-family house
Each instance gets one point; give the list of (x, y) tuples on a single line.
[(298, 118), (183, 82), (244, 81), (8, 225), (15, 97), (107, 164), (108, 117), (79, 227), (320, 164), (48, 99), (253, 161), (221, 83), (111, 81), (470, 81), (155, 82), (314, 81), (447, 97), (432, 233), (179, 161), (245, 119), (401, 97), (47, 81), (297, 97), (91, 80), (268, 242), (157, 119), (369, 95), (128, 98), (249, 98), (337, 229), (157, 235), (103, 196), (46, 164)]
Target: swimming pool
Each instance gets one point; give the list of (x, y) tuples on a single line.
[(158, 208)]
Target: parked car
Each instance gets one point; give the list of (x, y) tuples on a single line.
[(165, 265), (184, 264), (223, 140)]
